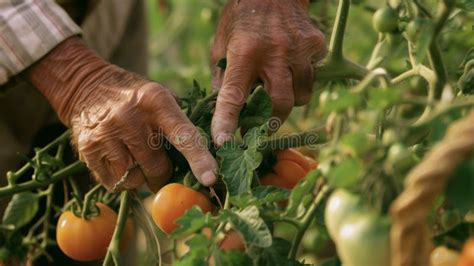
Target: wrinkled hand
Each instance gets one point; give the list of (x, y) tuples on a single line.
[(118, 118), (273, 41)]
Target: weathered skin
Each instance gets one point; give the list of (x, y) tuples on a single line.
[(118, 117)]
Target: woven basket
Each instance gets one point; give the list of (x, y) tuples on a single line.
[(409, 235)]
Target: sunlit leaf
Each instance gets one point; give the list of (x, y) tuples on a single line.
[(346, 173), (191, 221), (251, 226), (304, 188)]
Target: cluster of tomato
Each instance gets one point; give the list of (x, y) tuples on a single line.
[(87, 239)]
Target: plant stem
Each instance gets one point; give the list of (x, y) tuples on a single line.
[(307, 219), (341, 69), (197, 111), (86, 208), (69, 170), (60, 140), (312, 137), (337, 38), (113, 253)]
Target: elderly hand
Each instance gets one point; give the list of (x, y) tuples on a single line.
[(269, 40), (117, 117)]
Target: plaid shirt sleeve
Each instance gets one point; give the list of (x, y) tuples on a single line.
[(29, 29)]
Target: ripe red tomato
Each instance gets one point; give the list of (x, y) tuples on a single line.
[(467, 255), (291, 166), (232, 241), (88, 240), (172, 201)]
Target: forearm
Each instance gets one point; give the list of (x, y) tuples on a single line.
[(71, 73)]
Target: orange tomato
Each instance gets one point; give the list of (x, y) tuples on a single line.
[(467, 254), (293, 155), (172, 201), (88, 240), (232, 241), (291, 166)]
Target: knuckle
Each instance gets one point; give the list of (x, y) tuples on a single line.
[(185, 136), (153, 95)]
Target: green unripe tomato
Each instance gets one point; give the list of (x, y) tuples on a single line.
[(399, 159), (385, 20), (317, 241), (340, 205), (364, 240), (450, 219)]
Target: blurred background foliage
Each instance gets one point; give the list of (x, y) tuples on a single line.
[(181, 33)]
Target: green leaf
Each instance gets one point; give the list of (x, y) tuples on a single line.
[(468, 5), (238, 164), (277, 254), (303, 188), (460, 189), (231, 258), (383, 98), (346, 174), (358, 143), (257, 110), (340, 101), (251, 226), (21, 209), (198, 251), (191, 221), (260, 195)]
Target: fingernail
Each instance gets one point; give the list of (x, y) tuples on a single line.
[(208, 178), (222, 137)]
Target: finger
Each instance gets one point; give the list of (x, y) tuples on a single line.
[(219, 47), (146, 148), (238, 78), (180, 132), (278, 82), (302, 75), (120, 164)]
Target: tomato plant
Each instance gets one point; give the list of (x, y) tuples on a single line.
[(381, 105)]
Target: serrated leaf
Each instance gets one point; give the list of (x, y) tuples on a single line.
[(260, 195), (199, 247), (346, 174), (191, 221), (277, 254), (238, 164), (383, 98), (251, 226), (460, 189), (303, 188), (21, 209), (257, 111), (341, 100)]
